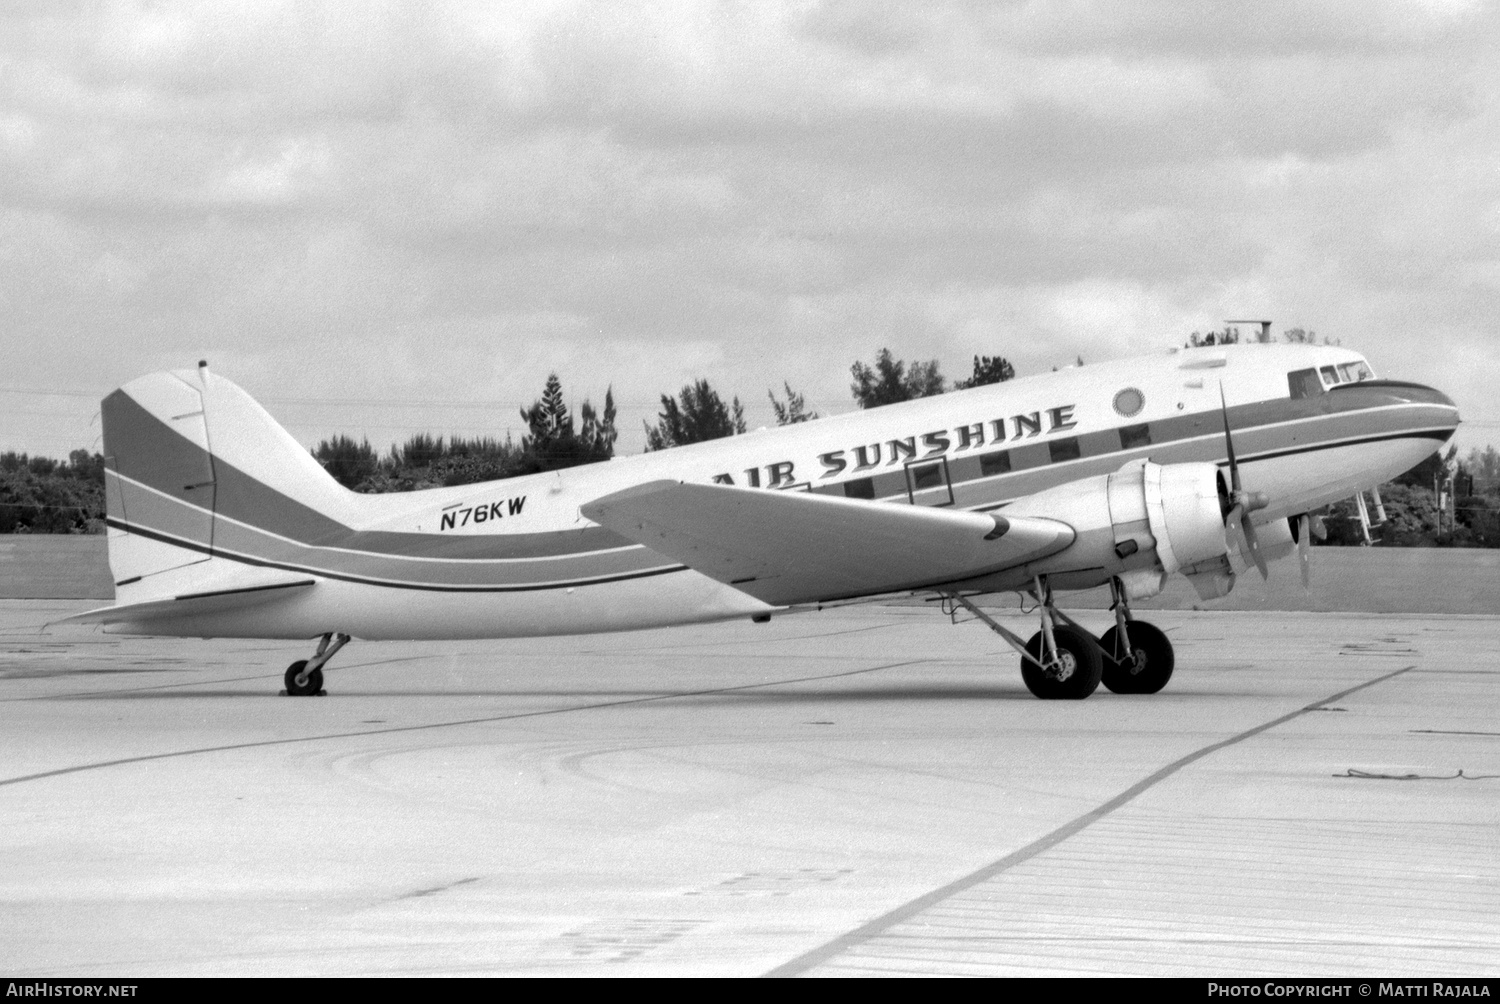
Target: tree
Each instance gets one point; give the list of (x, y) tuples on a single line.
[(1430, 471), (1297, 336), (988, 370), (42, 495), (891, 381), (795, 409), (347, 461), (599, 434), (547, 418), (1229, 336), (419, 451), (86, 466), (483, 458), (554, 444), (1484, 468), (699, 417)]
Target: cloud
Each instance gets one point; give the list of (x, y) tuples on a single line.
[(456, 198)]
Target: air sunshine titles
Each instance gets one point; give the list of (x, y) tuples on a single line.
[(864, 457), (869, 456)]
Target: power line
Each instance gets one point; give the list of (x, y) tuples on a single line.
[(344, 402)]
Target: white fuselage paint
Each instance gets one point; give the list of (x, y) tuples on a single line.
[(1078, 399)]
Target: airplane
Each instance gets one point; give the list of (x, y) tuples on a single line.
[(1198, 461)]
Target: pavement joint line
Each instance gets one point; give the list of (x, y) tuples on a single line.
[(80, 768), (872, 929)]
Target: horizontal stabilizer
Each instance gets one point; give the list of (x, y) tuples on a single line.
[(785, 547), (192, 604)]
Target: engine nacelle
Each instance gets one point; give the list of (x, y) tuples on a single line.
[(1140, 523)]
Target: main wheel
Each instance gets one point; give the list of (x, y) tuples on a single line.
[(1144, 670), (1078, 672), (310, 688)]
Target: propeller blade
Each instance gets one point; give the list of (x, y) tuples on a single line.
[(1234, 467), (1247, 528), (1304, 547)]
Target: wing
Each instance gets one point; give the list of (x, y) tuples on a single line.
[(785, 547), (190, 604)]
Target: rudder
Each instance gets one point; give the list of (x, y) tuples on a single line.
[(191, 460)]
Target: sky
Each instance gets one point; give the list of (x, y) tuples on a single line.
[(388, 217)]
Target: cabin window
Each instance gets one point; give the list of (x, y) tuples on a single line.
[(1304, 383), (994, 463), (860, 488), (926, 476), (1064, 449), (1133, 436)]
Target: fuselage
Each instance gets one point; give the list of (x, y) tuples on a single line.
[(516, 557)]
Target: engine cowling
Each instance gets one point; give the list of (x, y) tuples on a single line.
[(1141, 523), (1185, 514)]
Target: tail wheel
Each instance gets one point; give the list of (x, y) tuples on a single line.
[(1077, 672), (309, 689), (1144, 670)]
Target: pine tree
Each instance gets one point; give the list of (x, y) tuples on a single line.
[(988, 370), (699, 417), (892, 381), (554, 444), (548, 419), (795, 408)]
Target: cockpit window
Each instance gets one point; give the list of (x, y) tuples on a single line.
[(1354, 372), (1304, 383), (1330, 376)]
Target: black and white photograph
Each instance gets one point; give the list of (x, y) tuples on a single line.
[(595, 488)]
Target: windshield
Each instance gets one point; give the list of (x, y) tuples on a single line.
[(1332, 376)]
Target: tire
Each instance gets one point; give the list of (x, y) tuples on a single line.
[(1078, 650), (311, 688), (1153, 655)]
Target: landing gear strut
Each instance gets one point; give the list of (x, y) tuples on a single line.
[(1138, 657), (1061, 661), (304, 678)]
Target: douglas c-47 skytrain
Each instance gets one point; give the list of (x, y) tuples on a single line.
[(1199, 462)]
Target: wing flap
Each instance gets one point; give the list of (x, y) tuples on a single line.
[(796, 547), (190, 604)]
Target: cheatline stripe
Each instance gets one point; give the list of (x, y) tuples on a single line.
[(246, 559), (624, 576), (891, 484), (1438, 434)]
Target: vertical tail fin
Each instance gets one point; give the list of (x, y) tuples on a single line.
[(189, 457)]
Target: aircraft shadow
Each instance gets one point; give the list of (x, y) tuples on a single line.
[(582, 699)]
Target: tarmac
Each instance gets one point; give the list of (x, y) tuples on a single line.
[(862, 791)]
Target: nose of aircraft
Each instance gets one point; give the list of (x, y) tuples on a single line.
[(1431, 395), (1402, 391)]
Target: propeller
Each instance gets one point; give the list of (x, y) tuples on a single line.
[(1237, 504), (1304, 545)]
